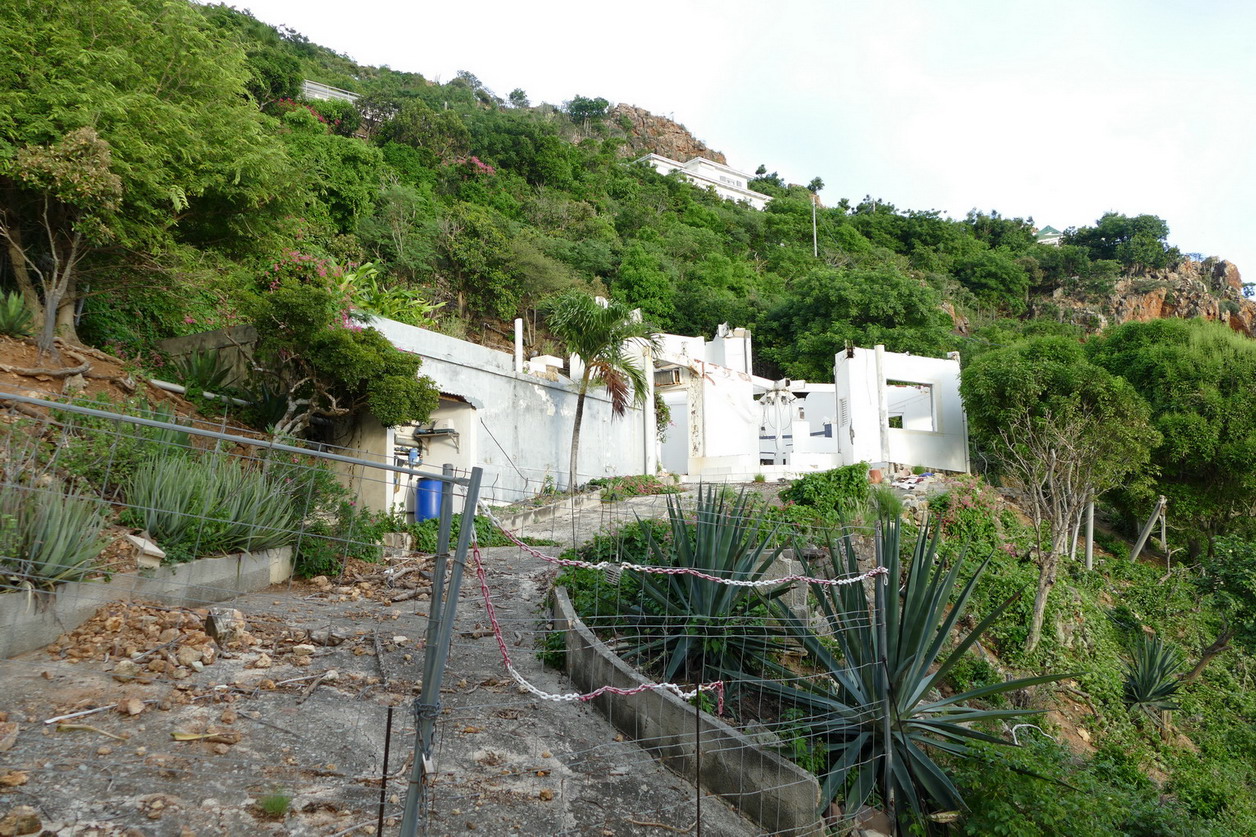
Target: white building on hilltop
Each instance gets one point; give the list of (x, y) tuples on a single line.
[(728, 182)]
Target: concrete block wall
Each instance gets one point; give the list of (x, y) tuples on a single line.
[(766, 787), (32, 619)]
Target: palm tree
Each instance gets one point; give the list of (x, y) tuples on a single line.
[(599, 334)]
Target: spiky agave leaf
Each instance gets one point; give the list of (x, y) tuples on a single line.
[(697, 629), (1153, 676), (866, 676)]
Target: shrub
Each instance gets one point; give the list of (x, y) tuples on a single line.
[(104, 453), (202, 372), (621, 488), (1152, 678), (328, 540), (841, 489), (701, 630), (486, 534)]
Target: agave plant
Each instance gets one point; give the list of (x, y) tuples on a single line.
[(875, 703), (15, 317), (1153, 677), (204, 371), (695, 629)]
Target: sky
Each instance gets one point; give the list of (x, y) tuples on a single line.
[(1058, 111)]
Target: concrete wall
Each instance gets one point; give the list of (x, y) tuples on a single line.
[(33, 620), (518, 427), (865, 405), (234, 347), (769, 789)]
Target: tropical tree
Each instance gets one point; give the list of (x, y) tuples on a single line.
[(1140, 241), (604, 336), (155, 130), (1229, 579), (314, 352), (1065, 429), (1197, 376)]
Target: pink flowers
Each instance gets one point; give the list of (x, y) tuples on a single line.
[(476, 165)]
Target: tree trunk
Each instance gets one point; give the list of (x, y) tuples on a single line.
[(575, 432), (1046, 580), (67, 330), (12, 233), (1206, 656)]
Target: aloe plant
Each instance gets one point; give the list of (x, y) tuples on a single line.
[(875, 703), (210, 506), (699, 630), (1153, 677), (48, 536)]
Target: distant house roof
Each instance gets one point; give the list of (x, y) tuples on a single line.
[(727, 181), (318, 90), (1048, 235)]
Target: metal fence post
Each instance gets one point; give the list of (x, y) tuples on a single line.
[(881, 593), (440, 628)]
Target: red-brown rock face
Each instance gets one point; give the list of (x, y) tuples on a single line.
[(648, 133)]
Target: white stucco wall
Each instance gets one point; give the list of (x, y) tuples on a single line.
[(517, 426), (863, 433)]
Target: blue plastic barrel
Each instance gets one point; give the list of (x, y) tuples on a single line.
[(427, 497)]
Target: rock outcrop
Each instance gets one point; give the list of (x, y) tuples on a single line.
[(1211, 290), (648, 133)]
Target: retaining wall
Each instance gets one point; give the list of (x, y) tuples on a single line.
[(33, 619), (766, 787)]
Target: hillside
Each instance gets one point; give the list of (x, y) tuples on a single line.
[(487, 204)]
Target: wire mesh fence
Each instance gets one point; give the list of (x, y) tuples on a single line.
[(233, 695)]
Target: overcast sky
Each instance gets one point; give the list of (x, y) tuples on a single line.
[(1056, 110)]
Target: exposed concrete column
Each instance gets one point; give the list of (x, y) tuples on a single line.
[(518, 345), (650, 444), (883, 407)]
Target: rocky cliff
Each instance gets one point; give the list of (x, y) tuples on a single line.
[(1211, 289), (647, 133)]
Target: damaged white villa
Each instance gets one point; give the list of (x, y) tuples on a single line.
[(513, 417)]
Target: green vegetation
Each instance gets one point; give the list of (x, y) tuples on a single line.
[(209, 505), (1196, 378), (15, 317), (1065, 429), (1154, 676), (598, 334), (102, 454), (427, 533), (839, 490), (1094, 621), (697, 630), (621, 488), (47, 534), (274, 805)]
